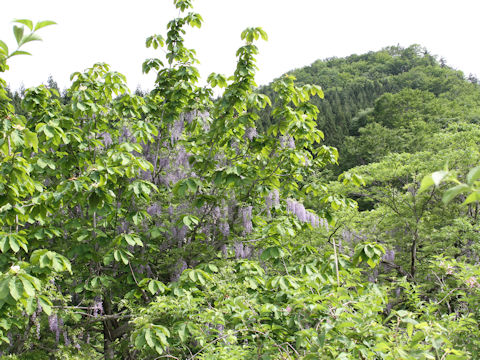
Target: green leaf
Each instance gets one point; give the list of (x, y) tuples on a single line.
[(30, 37), (182, 332), (140, 340), (81, 106), (16, 288), (368, 250), (272, 252), (13, 244), (44, 23), (26, 22), (4, 290), (149, 338), (19, 52), (451, 193), (31, 140), (438, 176), (18, 32), (28, 287), (475, 196), (432, 179), (473, 175), (371, 262), (151, 287), (3, 48), (46, 305)]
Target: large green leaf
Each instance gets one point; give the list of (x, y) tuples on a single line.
[(26, 22), (3, 48), (44, 23), (18, 32), (432, 179), (473, 175), (451, 193)]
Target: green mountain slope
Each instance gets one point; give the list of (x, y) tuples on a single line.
[(356, 89)]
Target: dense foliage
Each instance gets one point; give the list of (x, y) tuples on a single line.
[(171, 225), (359, 85)]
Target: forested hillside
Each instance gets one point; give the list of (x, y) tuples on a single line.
[(330, 215), (359, 93)]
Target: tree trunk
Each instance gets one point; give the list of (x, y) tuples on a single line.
[(108, 350), (414, 256)]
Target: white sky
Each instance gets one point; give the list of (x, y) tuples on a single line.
[(300, 32)]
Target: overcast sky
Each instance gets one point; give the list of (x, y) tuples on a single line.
[(300, 32)]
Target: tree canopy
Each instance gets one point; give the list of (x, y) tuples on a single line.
[(172, 224)]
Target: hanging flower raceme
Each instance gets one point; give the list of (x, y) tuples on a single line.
[(305, 216), (106, 139), (287, 142), (251, 133), (224, 228), (246, 213), (272, 199)]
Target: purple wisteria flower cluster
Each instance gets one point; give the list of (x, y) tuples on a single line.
[(251, 133), (126, 135), (272, 200), (97, 307), (242, 251), (55, 323), (287, 142), (305, 216), (220, 219), (246, 213), (106, 139)]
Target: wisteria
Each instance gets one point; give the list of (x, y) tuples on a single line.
[(300, 212), (251, 133), (324, 224), (163, 162), (247, 219), (76, 345), (389, 255), (275, 197), (66, 340), (182, 157), (291, 143), (106, 139), (287, 142), (97, 307), (312, 219), (126, 135), (55, 323), (235, 146), (179, 234), (37, 324), (272, 199), (216, 213), (224, 228), (176, 130), (297, 208), (188, 116), (242, 251), (155, 209)]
